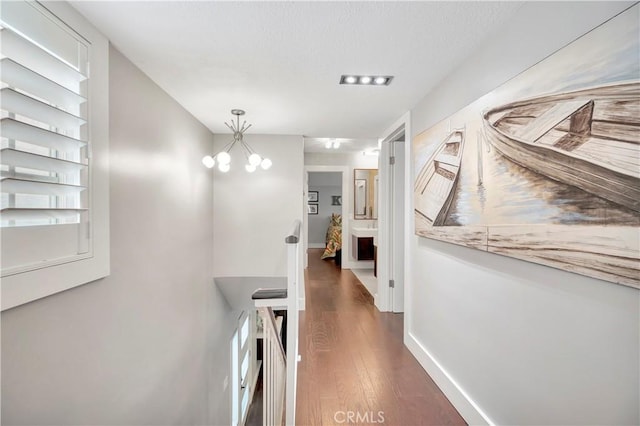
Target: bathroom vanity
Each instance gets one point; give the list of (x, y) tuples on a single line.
[(362, 247)]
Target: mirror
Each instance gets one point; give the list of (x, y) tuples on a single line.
[(365, 193)]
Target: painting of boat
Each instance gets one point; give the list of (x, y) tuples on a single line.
[(553, 176), (589, 139), (434, 188)]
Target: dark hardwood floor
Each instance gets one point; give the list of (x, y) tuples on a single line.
[(254, 415), (355, 368)]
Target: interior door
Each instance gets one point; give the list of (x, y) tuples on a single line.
[(396, 224)]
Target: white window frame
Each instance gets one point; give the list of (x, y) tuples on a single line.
[(24, 287)]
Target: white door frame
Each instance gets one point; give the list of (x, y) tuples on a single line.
[(346, 263), (383, 302)]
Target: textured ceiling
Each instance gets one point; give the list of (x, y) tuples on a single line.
[(281, 61)]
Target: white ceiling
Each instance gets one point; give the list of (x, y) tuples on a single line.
[(281, 61)]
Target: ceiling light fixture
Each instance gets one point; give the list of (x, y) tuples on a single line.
[(366, 80), (332, 143), (223, 158)]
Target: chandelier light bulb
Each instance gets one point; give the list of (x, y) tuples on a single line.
[(250, 168), (266, 164), (224, 168), (208, 161), (254, 160), (223, 157)]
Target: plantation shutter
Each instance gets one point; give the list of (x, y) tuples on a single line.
[(45, 150)]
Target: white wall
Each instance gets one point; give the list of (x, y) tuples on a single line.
[(526, 344), (148, 344), (327, 184), (256, 211)]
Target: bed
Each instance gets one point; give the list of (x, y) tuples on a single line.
[(333, 239)]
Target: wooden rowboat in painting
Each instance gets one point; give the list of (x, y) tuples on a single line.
[(589, 139), (436, 181)]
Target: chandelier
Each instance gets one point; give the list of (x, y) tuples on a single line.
[(223, 158)]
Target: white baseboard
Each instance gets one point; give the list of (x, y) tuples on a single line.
[(467, 408), (301, 303), (368, 281), (362, 264)]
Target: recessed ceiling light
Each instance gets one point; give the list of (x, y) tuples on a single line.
[(332, 143), (378, 80)]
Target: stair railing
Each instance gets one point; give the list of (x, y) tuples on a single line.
[(274, 371), (279, 394)]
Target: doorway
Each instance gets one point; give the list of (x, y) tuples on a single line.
[(395, 218), (325, 190), (326, 183)]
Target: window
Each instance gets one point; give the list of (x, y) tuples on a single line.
[(49, 197)]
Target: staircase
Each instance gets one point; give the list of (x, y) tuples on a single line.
[(280, 366)]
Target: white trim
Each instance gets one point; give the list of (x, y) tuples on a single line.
[(383, 299), (316, 245), (466, 406), (408, 220)]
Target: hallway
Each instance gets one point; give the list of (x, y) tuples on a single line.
[(355, 368)]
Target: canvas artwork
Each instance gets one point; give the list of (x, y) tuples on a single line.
[(545, 168)]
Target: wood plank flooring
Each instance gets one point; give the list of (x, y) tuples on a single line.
[(355, 368)]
